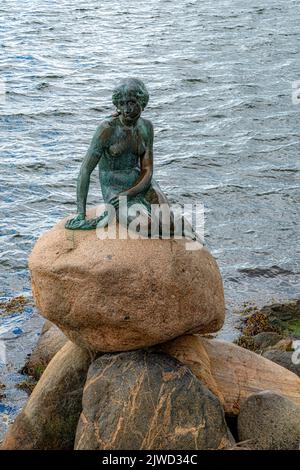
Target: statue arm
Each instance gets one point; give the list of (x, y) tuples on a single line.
[(89, 163)]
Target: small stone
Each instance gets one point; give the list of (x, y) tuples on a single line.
[(268, 421), (265, 339), (285, 344), (50, 342)]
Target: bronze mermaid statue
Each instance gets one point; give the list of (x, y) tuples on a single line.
[(122, 147)]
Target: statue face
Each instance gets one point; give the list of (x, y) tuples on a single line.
[(130, 108)]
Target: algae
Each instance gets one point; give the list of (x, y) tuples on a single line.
[(35, 372), (282, 318), (27, 385), (14, 305)]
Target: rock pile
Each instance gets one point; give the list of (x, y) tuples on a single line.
[(126, 365)]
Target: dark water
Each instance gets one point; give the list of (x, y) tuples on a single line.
[(220, 76)]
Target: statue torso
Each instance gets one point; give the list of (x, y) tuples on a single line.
[(119, 164), (124, 147)]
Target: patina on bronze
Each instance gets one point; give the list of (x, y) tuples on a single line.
[(122, 147)]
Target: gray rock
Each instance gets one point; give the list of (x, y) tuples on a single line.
[(285, 344), (284, 359), (148, 400), (283, 311), (265, 339), (269, 421)]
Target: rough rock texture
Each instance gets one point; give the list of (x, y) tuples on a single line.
[(265, 339), (283, 311), (50, 417), (237, 372), (148, 400), (284, 359), (189, 350), (285, 344), (118, 295), (240, 373), (269, 421), (50, 342)]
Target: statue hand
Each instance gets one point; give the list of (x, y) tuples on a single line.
[(115, 200), (81, 223), (75, 223)]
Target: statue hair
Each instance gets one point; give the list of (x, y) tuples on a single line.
[(131, 86)]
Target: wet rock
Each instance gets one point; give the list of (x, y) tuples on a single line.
[(49, 419), (265, 339), (268, 421), (50, 342), (148, 400), (283, 311), (117, 295), (285, 359)]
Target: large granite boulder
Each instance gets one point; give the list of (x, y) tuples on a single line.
[(49, 419), (148, 400), (119, 295), (268, 421)]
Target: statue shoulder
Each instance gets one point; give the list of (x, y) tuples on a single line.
[(147, 126), (105, 129), (147, 123)]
